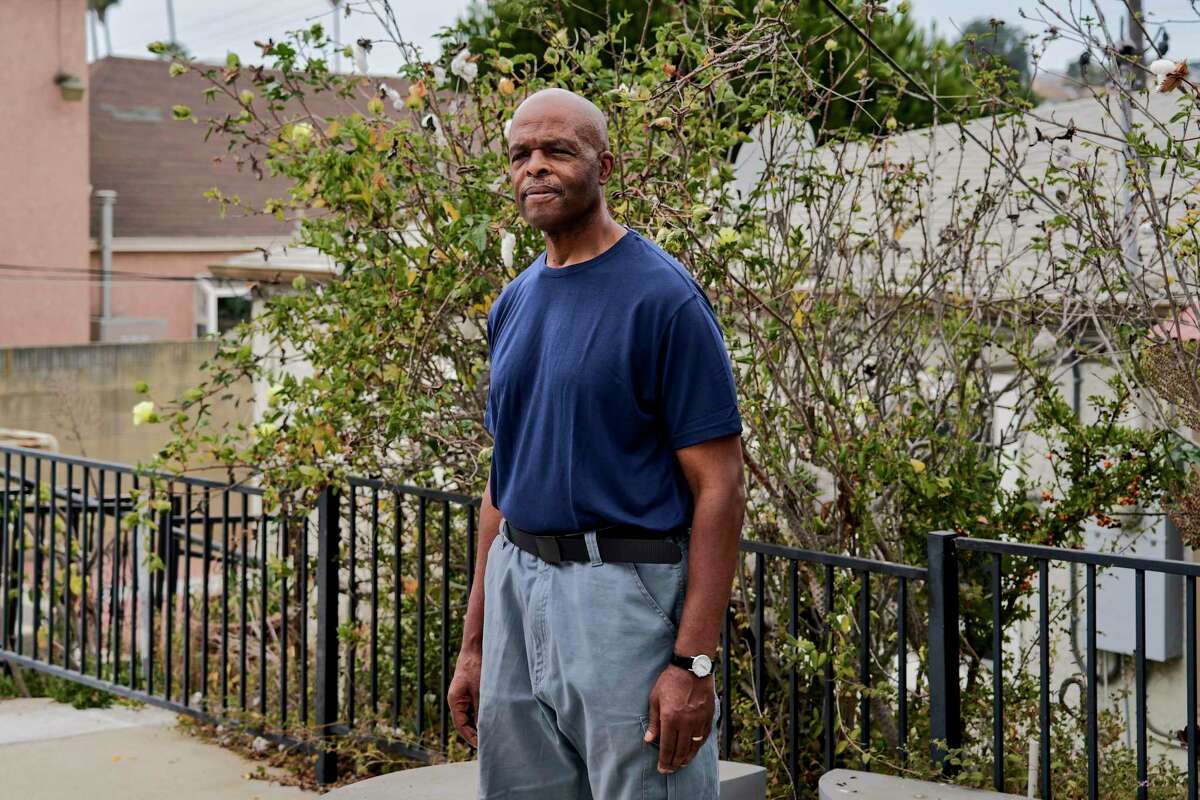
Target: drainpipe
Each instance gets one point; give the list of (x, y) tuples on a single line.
[(107, 199)]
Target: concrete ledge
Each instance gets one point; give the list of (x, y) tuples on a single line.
[(460, 781), (843, 784)]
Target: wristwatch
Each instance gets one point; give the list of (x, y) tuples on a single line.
[(700, 665)]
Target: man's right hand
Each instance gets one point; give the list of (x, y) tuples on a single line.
[(463, 696)]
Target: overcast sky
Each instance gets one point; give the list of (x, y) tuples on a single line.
[(211, 28)]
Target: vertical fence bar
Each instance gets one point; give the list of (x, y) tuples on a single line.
[(397, 598), (285, 531), (864, 668), (100, 525), (760, 671), (421, 515), (328, 542), (352, 577), (243, 619), (793, 704), (206, 561), (444, 633), (135, 535), (902, 671), (374, 653), (166, 540), (8, 539), (304, 705), (1044, 675), (118, 603), (471, 534), (21, 565), (1139, 616), (1093, 689), (997, 679), (1190, 671), (944, 702), (186, 595), (85, 532), (38, 517), (225, 519), (265, 601), (827, 699), (53, 558)]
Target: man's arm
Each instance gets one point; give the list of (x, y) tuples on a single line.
[(681, 705), (463, 694)]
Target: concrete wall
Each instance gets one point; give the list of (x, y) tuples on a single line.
[(44, 162), (83, 395)]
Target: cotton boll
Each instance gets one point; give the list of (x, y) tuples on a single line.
[(1162, 66), (360, 57), (508, 246)]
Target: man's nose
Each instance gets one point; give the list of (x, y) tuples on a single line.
[(536, 165)]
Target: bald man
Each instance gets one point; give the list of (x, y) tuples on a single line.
[(610, 523)]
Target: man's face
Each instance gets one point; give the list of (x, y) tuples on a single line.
[(556, 173)]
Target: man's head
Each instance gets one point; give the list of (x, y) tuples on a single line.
[(559, 159)]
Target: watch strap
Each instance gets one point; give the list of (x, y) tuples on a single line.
[(682, 661)]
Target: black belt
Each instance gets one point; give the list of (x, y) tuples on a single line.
[(556, 548)]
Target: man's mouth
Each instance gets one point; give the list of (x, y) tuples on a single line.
[(540, 193)]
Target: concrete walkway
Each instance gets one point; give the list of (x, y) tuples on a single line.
[(51, 751)]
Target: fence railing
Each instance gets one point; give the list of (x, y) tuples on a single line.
[(342, 624), (1093, 562)]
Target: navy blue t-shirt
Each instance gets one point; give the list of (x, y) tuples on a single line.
[(600, 371)]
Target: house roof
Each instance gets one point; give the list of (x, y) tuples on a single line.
[(161, 167)]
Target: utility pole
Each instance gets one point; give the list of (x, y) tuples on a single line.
[(171, 22), (337, 35)]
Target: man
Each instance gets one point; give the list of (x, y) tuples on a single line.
[(585, 667)]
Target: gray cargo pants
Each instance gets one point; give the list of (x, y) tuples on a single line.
[(570, 654)]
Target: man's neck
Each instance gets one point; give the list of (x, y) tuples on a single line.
[(579, 243)]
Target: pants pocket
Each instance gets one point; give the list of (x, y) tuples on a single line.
[(661, 587)]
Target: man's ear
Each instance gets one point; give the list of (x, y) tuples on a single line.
[(607, 161)]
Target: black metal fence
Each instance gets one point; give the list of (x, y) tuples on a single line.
[(342, 623)]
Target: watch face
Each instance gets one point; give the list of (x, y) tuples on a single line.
[(701, 665)]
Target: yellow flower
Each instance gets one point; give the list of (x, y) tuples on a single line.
[(918, 466), (727, 235), (144, 412)]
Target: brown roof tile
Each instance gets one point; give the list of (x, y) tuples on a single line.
[(161, 167)]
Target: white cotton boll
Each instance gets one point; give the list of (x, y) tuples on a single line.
[(439, 75), (360, 58), (260, 744), (508, 246), (507, 127), (460, 66), (430, 122), (393, 95), (1162, 66)]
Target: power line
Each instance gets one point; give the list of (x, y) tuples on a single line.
[(87, 275)]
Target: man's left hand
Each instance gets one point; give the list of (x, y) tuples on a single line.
[(681, 708)]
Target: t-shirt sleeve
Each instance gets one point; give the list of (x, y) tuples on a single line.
[(697, 396)]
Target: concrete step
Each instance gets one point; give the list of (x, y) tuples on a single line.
[(847, 784), (460, 781)]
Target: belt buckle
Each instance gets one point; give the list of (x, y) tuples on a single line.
[(548, 549)]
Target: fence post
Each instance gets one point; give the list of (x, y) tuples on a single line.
[(328, 542), (945, 709)]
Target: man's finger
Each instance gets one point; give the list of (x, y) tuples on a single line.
[(652, 726), (667, 744), (693, 746), (464, 722)]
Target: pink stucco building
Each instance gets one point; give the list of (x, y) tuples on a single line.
[(117, 139), (44, 169)]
